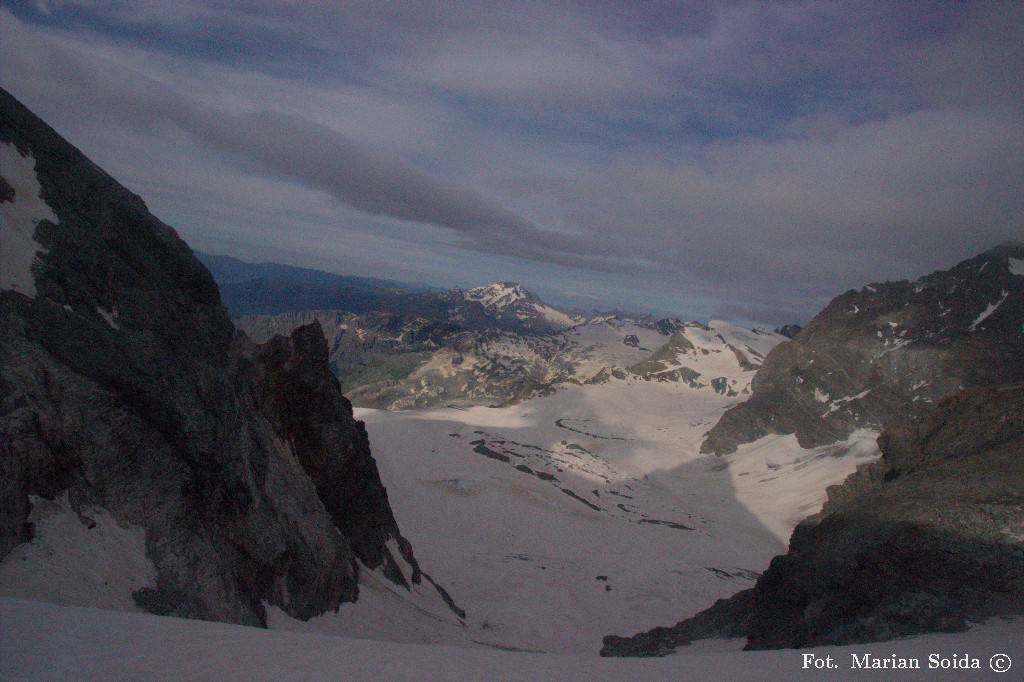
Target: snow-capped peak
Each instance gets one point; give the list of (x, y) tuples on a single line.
[(513, 298), (500, 294)]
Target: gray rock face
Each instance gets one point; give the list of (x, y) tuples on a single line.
[(925, 540), (886, 351), (661, 359), (302, 400), (124, 384), (667, 326)]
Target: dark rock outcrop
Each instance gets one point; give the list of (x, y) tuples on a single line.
[(302, 399), (887, 351), (124, 385), (927, 539), (665, 357), (728, 618), (788, 330)]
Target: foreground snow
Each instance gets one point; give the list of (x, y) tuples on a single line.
[(41, 641), (591, 511)]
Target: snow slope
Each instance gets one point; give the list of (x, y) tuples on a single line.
[(46, 642), (80, 558), (590, 511)]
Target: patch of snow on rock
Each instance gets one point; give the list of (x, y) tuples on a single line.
[(18, 220), (110, 316), (992, 307), (839, 402), (781, 483)]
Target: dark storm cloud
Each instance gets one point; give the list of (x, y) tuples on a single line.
[(302, 150), (364, 179)]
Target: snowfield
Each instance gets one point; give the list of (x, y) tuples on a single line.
[(44, 642), (591, 511)]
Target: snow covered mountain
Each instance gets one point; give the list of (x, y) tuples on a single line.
[(512, 299), (157, 460)]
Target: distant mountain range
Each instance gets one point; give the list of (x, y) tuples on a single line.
[(272, 289), (389, 361), (227, 270), (396, 348)]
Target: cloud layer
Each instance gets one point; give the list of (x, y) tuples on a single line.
[(738, 159)]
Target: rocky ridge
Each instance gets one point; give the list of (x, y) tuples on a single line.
[(887, 351), (125, 387)]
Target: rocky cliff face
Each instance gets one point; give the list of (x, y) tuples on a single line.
[(124, 385), (927, 539), (887, 351)]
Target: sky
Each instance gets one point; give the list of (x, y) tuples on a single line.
[(735, 160)]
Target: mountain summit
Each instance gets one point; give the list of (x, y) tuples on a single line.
[(513, 300), (502, 295)]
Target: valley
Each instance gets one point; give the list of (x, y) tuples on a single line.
[(563, 518), (410, 476)]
